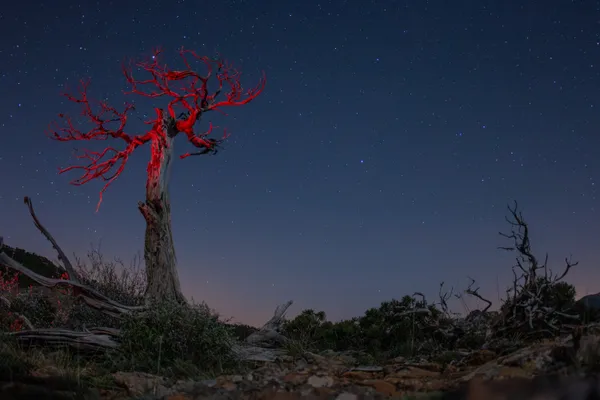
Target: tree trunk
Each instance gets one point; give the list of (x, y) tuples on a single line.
[(159, 250)]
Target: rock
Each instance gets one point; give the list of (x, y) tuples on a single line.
[(346, 396), (358, 375), (140, 383), (209, 382), (295, 378), (367, 368), (381, 386), (320, 381), (480, 357)]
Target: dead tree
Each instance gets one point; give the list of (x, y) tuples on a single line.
[(183, 90), (527, 307)]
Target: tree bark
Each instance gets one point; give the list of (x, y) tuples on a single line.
[(159, 250)]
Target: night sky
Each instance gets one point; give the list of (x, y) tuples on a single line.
[(379, 159)]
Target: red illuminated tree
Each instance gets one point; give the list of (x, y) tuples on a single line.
[(185, 91)]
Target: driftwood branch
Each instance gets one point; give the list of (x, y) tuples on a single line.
[(270, 331), (256, 353), (91, 340), (61, 254), (90, 296)]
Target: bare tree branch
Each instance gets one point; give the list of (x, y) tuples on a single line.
[(475, 293), (61, 255), (270, 331)]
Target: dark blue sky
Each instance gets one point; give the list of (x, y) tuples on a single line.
[(378, 160)]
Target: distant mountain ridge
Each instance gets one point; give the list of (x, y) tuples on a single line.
[(590, 301)]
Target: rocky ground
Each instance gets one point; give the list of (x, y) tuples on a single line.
[(547, 370)]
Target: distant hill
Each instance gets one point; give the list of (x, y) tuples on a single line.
[(35, 262), (591, 301)]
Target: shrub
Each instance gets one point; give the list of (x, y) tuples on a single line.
[(124, 284), (171, 335), (395, 328), (242, 331)]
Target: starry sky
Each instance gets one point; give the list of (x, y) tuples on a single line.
[(378, 160)]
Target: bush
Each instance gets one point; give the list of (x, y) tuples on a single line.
[(170, 337), (124, 284), (38, 308), (242, 331), (396, 328)]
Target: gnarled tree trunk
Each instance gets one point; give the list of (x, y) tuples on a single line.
[(159, 250)]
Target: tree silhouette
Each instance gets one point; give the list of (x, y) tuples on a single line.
[(188, 93)]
